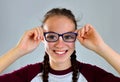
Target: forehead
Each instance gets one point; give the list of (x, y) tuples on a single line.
[(59, 24)]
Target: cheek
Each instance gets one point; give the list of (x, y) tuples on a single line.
[(48, 45), (71, 45)]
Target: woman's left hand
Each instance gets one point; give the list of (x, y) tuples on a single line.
[(89, 37)]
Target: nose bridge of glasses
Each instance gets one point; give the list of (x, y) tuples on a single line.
[(60, 36), (60, 41)]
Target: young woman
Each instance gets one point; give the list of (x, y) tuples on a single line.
[(58, 33)]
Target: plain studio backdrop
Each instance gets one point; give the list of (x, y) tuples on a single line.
[(17, 16)]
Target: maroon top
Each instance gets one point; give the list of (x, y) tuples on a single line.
[(90, 72)]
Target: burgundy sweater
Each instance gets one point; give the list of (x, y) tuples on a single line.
[(90, 72)]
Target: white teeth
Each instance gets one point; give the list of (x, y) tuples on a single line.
[(58, 52)]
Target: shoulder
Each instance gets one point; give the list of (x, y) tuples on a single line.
[(90, 72), (82, 65), (34, 69), (36, 66), (23, 74), (89, 68)]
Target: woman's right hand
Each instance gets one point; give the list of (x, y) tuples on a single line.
[(30, 40)]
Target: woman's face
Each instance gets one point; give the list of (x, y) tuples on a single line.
[(59, 51)]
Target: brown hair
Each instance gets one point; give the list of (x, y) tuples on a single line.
[(46, 65), (60, 12)]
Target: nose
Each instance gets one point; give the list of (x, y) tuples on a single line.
[(60, 43)]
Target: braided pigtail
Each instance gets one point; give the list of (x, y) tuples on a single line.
[(46, 68), (74, 67)]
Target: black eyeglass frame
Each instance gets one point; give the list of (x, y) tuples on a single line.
[(60, 35)]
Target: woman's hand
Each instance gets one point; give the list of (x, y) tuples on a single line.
[(89, 37), (30, 40)]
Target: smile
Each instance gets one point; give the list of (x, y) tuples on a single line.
[(60, 52)]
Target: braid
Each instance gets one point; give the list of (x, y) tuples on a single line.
[(46, 68), (74, 67)]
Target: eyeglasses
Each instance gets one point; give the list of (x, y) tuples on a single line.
[(53, 37)]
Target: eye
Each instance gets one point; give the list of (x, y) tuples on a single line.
[(51, 36), (69, 36)]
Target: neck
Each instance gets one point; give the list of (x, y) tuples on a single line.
[(60, 65)]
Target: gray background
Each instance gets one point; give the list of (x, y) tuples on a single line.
[(17, 16)]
